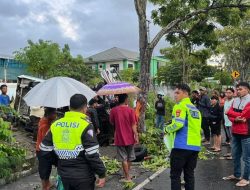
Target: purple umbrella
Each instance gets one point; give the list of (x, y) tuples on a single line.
[(118, 88)]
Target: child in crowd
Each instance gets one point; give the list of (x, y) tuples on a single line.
[(215, 123)]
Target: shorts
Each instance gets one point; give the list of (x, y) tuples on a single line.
[(215, 128), (125, 153), (45, 162)]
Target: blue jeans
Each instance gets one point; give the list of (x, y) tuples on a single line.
[(160, 121), (241, 148)]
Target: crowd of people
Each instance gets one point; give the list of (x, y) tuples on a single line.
[(230, 109), (71, 144)]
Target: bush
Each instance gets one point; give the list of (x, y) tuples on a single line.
[(5, 132), (152, 139), (11, 159)]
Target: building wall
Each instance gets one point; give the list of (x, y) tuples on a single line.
[(13, 69), (155, 63)]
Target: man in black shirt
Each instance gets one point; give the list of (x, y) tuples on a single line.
[(74, 141), (195, 97), (160, 112), (92, 113), (204, 107)]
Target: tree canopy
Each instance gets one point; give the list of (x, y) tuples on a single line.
[(235, 46), (195, 20), (185, 66), (46, 59)]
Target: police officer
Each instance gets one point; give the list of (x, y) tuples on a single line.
[(74, 141), (186, 127)]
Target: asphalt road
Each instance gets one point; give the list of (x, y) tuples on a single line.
[(208, 176)]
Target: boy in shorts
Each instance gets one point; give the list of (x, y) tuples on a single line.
[(124, 119)]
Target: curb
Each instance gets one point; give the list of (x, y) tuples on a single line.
[(14, 177)]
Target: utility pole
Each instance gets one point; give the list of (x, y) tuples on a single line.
[(5, 70)]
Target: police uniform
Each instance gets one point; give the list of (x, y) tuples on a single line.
[(74, 141), (186, 129)]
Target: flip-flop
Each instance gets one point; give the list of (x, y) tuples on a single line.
[(242, 183), (231, 177), (226, 158), (227, 155)]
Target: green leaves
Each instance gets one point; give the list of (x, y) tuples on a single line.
[(41, 57), (235, 45), (130, 75), (46, 59), (5, 132), (224, 77), (199, 28), (11, 159), (194, 63), (112, 165)]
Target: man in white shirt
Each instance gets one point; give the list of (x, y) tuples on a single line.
[(228, 103)]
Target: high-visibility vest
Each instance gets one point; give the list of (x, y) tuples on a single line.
[(186, 126), (67, 134)]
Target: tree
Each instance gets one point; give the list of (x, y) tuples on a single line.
[(45, 59), (40, 57), (235, 45), (224, 77), (185, 65), (183, 17), (130, 75)]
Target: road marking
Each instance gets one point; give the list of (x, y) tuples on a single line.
[(149, 179)]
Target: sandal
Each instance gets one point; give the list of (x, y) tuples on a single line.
[(231, 177), (242, 183), (226, 158), (227, 155)]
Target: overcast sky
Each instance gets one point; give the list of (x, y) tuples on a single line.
[(88, 26)]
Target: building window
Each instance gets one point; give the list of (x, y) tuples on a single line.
[(115, 66), (100, 66), (130, 66)]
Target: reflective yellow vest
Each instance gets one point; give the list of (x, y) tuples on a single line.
[(67, 133), (186, 126)]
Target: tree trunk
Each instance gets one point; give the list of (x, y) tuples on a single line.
[(145, 58)]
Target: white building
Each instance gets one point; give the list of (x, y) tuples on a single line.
[(217, 60)]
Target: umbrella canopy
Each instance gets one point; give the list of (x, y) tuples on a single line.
[(56, 92), (118, 88)]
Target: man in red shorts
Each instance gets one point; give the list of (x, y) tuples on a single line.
[(124, 119)]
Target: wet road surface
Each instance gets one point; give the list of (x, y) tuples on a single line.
[(208, 176)]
